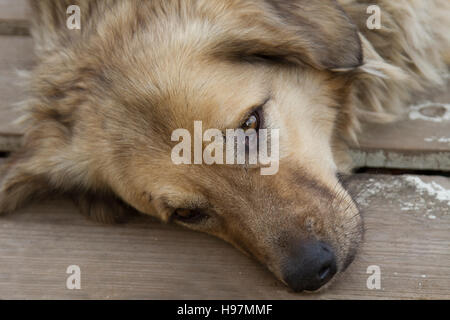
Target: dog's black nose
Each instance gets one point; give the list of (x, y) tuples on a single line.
[(311, 265)]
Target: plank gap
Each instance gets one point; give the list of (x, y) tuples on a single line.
[(4, 154), (400, 171), (13, 27)]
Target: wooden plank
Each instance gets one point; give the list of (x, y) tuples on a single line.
[(14, 15), (420, 140), (14, 10), (407, 221), (15, 54)]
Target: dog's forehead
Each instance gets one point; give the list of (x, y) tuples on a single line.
[(181, 90)]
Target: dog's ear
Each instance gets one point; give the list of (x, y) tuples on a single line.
[(315, 32), (103, 208), (20, 183)]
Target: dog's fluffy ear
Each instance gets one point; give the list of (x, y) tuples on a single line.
[(19, 183), (317, 33), (23, 179), (103, 208)]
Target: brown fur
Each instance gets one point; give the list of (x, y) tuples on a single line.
[(104, 101)]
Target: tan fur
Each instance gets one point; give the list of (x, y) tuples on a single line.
[(104, 101)]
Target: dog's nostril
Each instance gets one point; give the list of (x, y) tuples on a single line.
[(324, 272), (311, 265)]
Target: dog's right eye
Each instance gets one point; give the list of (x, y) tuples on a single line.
[(253, 121), (189, 215)]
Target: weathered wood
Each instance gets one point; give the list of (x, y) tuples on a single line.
[(15, 54), (420, 140), (407, 237), (14, 16), (14, 10)]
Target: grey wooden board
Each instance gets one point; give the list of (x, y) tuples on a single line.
[(15, 55), (407, 237), (420, 140), (14, 10), (14, 15)]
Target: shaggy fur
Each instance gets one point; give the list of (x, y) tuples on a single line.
[(104, 101)]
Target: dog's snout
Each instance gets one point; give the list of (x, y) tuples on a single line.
[(311, 265)]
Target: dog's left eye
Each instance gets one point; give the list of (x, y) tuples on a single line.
[(189, 215)]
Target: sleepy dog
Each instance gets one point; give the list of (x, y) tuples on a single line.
[(106, 99)]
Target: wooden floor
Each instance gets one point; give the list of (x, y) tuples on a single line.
[(407, 220)]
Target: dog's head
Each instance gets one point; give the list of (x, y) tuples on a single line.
[(147, 71)]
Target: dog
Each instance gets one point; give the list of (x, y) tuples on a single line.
[(105, 100)]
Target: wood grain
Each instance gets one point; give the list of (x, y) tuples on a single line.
[(148, 260)]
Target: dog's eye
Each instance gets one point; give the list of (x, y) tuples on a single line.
[(189, 215), (253, 121)]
